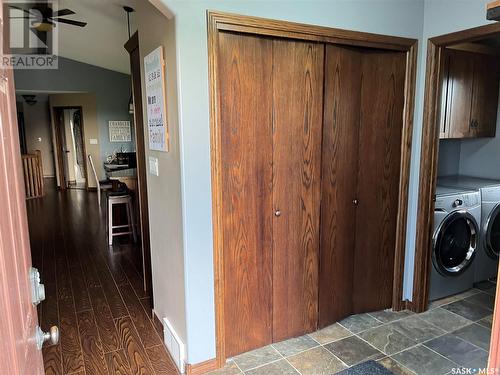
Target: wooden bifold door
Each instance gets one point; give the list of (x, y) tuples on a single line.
[(363, 117), (309, 149), (271, 152)]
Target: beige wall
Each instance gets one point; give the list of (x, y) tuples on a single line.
[(164, 191), (90, 127), (38, 133)]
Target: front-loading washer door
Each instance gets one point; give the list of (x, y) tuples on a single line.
[(455, 243), (492, 238)]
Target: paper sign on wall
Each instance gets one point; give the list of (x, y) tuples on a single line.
[(154, 68), (119, 131)]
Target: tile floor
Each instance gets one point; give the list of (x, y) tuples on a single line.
[(454, 333)]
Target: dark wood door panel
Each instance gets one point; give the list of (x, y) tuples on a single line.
[(339, 181), (460, 85), (245, 71), (297, 122), (381, 124), (485, 95)]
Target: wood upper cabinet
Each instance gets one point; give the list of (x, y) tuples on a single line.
[(469, 95), (485, 96)]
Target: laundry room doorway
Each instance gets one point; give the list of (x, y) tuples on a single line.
[(456, 261)]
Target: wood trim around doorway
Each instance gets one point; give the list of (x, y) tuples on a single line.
[(58, 149), (132, 47), (216, 22), (429, 155)]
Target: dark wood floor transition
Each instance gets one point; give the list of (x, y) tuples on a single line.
[(93, 292)]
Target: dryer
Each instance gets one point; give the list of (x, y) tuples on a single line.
[(457, 213), (486, 265)]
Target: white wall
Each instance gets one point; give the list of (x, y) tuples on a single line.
[(392, 17)]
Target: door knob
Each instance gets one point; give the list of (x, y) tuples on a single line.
[(277, 213), (355, 202), (52, 336)]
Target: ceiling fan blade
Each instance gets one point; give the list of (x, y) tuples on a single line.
[(70, 22), (62, 12), (24, 10)]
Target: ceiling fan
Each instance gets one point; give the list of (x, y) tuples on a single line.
[(44, 18)]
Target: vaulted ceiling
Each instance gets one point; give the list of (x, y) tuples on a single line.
[(101, 41)]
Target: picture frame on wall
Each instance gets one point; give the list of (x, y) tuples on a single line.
[(154, 73)]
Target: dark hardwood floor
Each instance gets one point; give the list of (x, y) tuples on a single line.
[(94, 292)]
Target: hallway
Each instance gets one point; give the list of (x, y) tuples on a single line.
[(94, 293)]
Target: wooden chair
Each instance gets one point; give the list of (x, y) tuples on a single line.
[(102, 185)]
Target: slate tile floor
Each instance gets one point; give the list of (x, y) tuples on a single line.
[(454, 333)]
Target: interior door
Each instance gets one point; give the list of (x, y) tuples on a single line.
[(62, 160), (379, 166), (297, 119), (339, 182), (18, 319), (245, 102)]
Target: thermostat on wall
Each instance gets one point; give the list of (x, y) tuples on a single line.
[(93, 141)]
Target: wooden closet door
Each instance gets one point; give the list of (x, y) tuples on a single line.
[(298, 106), (339, 182), (245, 74), (381, 124)]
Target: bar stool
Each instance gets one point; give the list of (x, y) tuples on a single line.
[(116, 198)]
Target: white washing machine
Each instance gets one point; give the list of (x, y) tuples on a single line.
[(486, 265), (457, 213)]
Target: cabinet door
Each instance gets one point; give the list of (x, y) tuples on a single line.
[(485, 96), (339, 181), (245, 73), (459, 96), (443, 127), (297, 109), (379, 168)]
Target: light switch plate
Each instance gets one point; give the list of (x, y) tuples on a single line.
[(93, 141), (153, 166)]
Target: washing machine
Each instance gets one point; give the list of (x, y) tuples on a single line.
[(455, 238), (486, 264)]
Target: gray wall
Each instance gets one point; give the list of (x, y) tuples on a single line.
[(481, 157), (164, 190), (393, 17), (471, 157), (449, 157), (417, 19), (38, 132), (112, 91)]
